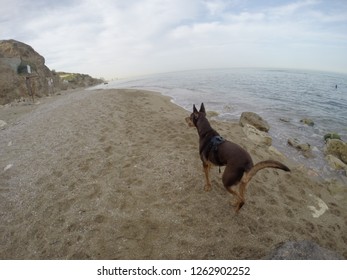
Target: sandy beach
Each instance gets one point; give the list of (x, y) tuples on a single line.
[(116, 174)]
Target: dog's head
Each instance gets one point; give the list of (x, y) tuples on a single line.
[(193, 118)]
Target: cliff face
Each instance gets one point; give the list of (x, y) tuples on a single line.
[(23, 73)]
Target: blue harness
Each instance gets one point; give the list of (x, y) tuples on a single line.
[(215, 142), (213, 147)]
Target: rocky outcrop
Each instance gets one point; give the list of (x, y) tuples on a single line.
[(257, 136), (337, 148), (336, 163), (302, 250), (76, 80), (23, 73), (255, 120), (336, 154), (255, 128)]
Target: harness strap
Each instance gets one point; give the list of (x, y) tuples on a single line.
[(215, 141), (213, 146)]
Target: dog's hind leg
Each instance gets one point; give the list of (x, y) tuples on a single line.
[(239, 199), (242, 190), (207, 168), (232, 178)]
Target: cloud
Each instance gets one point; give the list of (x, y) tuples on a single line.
[(120, 38), (291, 8), (215, 7)]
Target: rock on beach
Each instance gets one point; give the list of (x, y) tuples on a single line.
[(302, 250), (337, 148), (257, 136), (336, 163), (255, 120)]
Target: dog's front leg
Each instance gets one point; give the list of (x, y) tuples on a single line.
[(207, 168)]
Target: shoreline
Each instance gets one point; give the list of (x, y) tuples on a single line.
[(313, 163), (115, 174), (230, 93)]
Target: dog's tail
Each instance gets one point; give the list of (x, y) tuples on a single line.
[(247, 176), (264, 164)]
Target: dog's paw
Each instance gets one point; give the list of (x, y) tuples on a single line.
[(207, 187), (234, 204), (237, 205)]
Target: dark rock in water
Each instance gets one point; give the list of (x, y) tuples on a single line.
[(286, 120), (331, 136), (255, 120), (308, 122), (302, 250), (300, 146), (305, 148)]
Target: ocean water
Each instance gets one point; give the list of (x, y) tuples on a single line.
[(274, 94)]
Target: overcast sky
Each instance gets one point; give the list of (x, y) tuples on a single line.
[(121, 38)]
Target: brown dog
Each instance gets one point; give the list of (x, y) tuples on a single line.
[(214, 150)]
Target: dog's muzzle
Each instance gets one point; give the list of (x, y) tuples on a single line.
[(189, 122)]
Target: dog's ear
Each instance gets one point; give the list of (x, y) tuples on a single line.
[(202, 108), (194, 109)]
